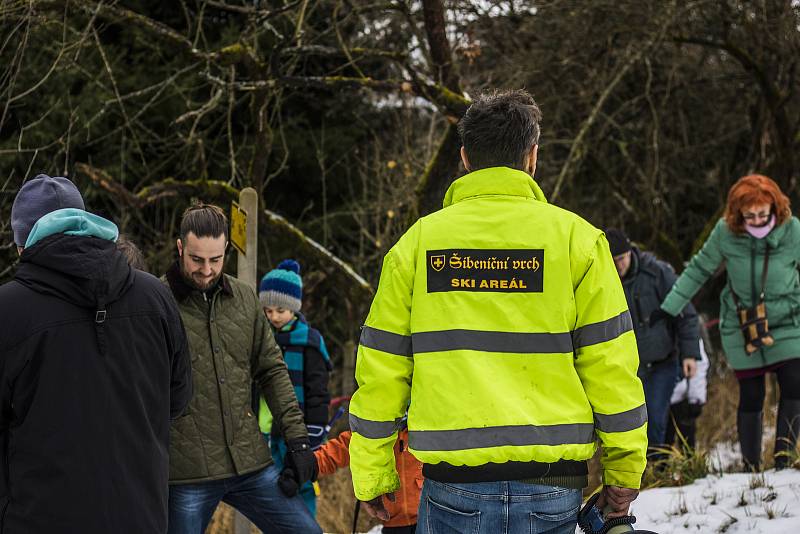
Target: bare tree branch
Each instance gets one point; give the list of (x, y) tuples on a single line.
[(214, 189)]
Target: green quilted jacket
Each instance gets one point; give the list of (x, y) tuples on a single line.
[(743, 257), (231, 346)]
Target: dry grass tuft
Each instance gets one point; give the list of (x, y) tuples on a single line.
[(679, 508), (793, 455), (717, 422), (676, 466)]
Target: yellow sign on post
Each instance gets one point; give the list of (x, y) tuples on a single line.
[(239, 228)]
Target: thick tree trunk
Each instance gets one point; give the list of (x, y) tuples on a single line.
[(441, 54), (442, 169), (444, 166)]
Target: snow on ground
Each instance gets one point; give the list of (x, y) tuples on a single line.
[(732, 503), (724, 456)]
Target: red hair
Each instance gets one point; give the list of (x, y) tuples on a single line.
[(751, 190)]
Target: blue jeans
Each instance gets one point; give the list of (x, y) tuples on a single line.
[(256, 495), (497, 508), (658, 381)]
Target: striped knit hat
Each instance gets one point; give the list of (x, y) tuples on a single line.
[(282, 287)]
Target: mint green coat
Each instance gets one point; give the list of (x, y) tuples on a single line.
[(743, 257)]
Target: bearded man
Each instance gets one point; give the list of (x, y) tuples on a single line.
[(217, 452)]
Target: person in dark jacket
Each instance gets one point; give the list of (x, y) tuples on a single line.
[(661, 340), (305, 354), (216, 450), (93, 365)]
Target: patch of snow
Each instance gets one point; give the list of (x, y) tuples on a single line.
[(733, 503), (724, 456)]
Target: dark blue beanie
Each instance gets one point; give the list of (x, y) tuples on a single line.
[(282, 287), (38, 197)]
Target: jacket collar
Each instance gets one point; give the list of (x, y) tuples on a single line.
[(777, 234), (494, 181), (183, 290)]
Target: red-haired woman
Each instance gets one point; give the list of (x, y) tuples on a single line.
[(758, 241)]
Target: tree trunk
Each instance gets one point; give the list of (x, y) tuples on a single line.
[(444, 166), (442, 169)]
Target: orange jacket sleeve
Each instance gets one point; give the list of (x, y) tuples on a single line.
[(334, 454)]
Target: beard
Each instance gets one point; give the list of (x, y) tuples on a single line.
[(197, 281)]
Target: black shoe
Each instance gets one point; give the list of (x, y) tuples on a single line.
[(786, 432), (750, 426)]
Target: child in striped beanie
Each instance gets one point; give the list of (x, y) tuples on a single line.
[(281, 293), (281, 296)]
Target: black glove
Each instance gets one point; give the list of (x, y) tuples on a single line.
[(287, 482), (657, 316), (301, 464)]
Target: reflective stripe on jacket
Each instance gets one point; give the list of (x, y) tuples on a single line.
[(504, 319)]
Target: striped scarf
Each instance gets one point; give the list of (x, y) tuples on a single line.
[(293, 338)]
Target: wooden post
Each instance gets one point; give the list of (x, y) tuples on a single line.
[(246, 271), (248, 201)]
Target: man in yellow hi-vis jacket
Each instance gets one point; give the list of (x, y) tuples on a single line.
[(501, 320)]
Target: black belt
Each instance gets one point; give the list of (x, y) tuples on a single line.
[(491, 472)]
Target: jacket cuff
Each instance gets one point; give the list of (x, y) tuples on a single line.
[(367, 489), (295, 432), (623, 479), (669, 310)]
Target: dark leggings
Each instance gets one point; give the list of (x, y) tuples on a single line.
[(752, 390)]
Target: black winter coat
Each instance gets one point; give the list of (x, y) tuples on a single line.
[(647, 283), (86, 397)]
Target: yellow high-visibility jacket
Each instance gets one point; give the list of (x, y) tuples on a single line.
[(502, 320)]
